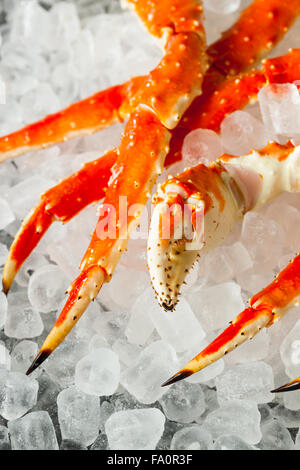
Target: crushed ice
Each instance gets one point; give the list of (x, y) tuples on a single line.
[(101, 388)]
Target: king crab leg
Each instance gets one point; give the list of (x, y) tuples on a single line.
[(252, 181), (175, 81)]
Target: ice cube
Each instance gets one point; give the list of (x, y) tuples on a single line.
[(231, 442), (22, 321), (127, 352), (98, 373), (46, 288), (290, 351), (239, 417), (111, 324), (98, 341), (4, 438), (223, 7), (292, 400), (140, 325), (5, 359), (180, 328), (251, 381), (3, 309), (135, 429), (23, 355), (201, 146), (288, 418), (6, 214), (18, 394), (126, 285), (183, 402), (3, 254), (253, 281), (61, 365), (215, 306), (275, 436), (238, 257), (280, 108), (192, 438), (25, 195), (217, 265), (259, 232), (288, 217), (153, 366), (35, 431), (78, 415), (34, 262), (241, 132)]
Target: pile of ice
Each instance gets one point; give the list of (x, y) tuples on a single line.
[(101, 389)]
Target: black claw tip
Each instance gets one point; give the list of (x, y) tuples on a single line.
[(177, 377), (287, 388), (40, 358), (169, 307), (5, 288)]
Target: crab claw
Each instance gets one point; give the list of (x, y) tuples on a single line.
[(193, 212), (83, 290)]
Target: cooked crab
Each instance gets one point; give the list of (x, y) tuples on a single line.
[(193, 86)]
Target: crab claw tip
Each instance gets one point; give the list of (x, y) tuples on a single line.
[(169, 307), (39, 359), (177, 377), (294, 385)]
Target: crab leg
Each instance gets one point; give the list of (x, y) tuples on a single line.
[(144, 145), (85, 117), (62, 202), (257, 30), (253, 180)]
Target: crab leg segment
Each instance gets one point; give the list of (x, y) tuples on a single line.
[(82, 118), (260, 176), (61, 202), (258, 29)]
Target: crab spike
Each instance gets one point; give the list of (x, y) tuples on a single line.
[(81, 118), (62, 202), (83, 290)]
